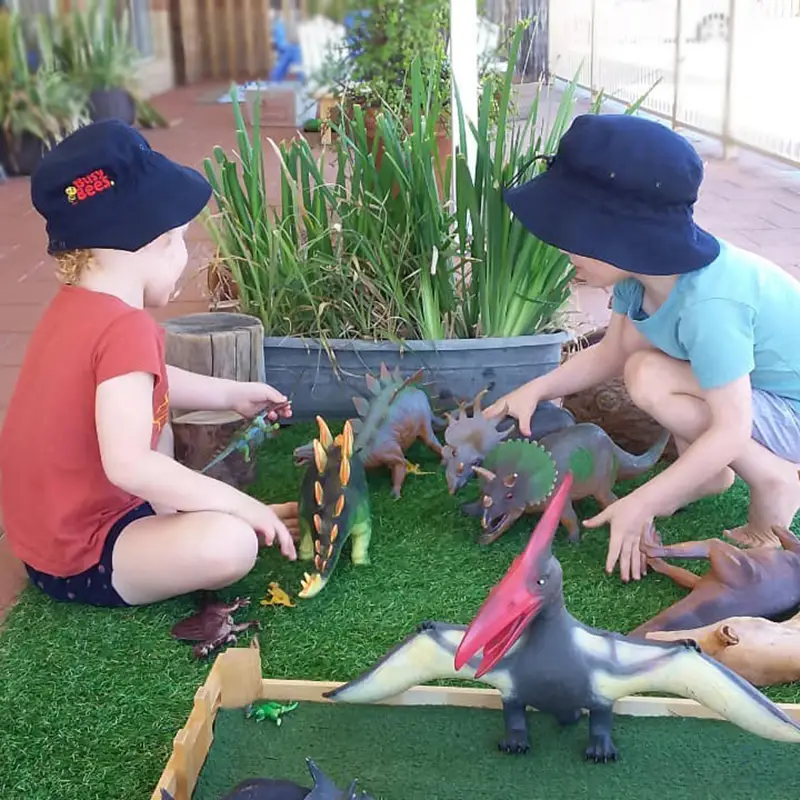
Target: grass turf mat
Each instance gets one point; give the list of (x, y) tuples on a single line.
[(90, 699), (429, 753)]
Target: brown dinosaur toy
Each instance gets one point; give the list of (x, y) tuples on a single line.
[(213, 626), (763, 652), (396, 415), (518, 476), (469, 439), (756, 582)]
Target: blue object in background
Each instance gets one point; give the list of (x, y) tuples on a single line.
[(351, 20), (289, 54)]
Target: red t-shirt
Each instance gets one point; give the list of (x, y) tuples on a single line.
[(58, 504)]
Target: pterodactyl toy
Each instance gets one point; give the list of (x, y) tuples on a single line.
[(526, 644)]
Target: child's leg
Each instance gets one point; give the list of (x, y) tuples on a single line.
[(164, 556), (667, 390)]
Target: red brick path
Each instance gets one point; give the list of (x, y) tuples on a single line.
[(751, 202)]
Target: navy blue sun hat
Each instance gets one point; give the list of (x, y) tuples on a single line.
[(620, 189), (104, 187)]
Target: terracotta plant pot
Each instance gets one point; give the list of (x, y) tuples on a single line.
[(444, 139)]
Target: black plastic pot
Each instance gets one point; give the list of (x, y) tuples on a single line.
[(21, 155), (112, 104)]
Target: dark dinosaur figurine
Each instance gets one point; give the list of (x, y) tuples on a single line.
[(469, 439), (517, 476), (334, 507), (270, 789), (524, 642), (756, 582), (213, 626), (398, 414)]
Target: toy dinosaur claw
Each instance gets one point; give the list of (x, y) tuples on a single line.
[(600, 750)]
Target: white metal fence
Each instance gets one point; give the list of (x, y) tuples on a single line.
[(727, 68)]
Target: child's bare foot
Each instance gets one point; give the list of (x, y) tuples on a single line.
[(774, 505), (288, 513)]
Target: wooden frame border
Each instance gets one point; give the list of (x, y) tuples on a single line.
[(236, 679)]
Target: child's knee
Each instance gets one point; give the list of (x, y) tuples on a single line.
[(231, 550), (643, 376)]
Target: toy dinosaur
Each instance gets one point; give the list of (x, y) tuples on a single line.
[(756, 582), (517, 476), (213, 626), (277, 597), (250, 436), (268, 709), (334, 507), (760, 650), (398, 414), (269, 789), (524, 642), (468, 440)]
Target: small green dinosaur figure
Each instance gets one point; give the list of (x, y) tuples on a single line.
[(518, 476), (269, 709), (334, 506), (249, 437)]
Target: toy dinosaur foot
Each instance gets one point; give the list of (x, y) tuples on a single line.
[(600, 749), (750, 536), (514, 743)]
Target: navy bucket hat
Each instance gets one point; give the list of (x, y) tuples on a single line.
[(104, 187), (620, 189)]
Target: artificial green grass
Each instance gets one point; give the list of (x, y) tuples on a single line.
[(430, 753), (90, 699)]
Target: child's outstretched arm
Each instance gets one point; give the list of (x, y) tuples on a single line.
[(190, 391), (585, 369), (124, 421)]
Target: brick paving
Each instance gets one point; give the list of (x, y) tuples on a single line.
[(752, 201)]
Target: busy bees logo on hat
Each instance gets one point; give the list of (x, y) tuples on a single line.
[(91, 185)]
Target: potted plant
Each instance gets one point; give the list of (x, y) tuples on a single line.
[(93, 46), (363, 262), (37, 108)]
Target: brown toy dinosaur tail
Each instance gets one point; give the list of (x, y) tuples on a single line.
[(631, 466)]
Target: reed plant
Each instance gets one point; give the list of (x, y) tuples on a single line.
[(376, 239)]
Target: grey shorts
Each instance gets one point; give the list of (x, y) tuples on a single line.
[(776, 425)]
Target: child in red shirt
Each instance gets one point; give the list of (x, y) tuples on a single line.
[(94, 504)]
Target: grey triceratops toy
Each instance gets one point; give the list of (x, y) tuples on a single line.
[(270, 789)]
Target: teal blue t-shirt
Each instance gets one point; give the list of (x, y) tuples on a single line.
[(739, 315)]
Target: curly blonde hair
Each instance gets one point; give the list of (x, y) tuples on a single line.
[(71, 264)]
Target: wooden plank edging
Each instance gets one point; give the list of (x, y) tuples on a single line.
[(236, 679)]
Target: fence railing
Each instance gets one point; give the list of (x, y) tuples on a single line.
[(725, 68)]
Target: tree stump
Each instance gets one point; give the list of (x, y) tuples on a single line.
[(610, 406), (201, 435), (220, 344)]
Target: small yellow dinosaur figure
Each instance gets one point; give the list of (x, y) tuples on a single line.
[(277, 597), (415, 469)]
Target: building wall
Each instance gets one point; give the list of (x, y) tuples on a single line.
[(157, 73)]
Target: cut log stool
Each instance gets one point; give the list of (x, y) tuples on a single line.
[(216, 343), (200, 435)]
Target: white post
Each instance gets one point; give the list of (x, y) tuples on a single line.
[(464, 64)]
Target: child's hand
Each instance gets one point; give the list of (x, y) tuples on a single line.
[(269, 527), (252, 398), (520, 404), (630, 523)]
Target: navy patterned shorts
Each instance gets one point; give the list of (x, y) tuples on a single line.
[(92, 586)]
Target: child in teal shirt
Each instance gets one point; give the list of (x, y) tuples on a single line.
[(703, 332)]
